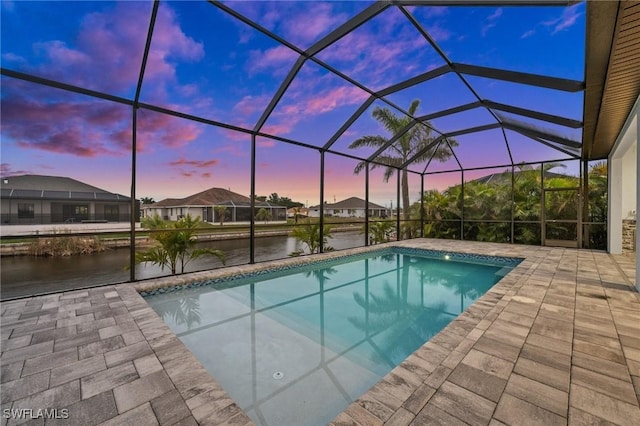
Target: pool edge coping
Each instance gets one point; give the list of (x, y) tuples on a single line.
[(394, 392)]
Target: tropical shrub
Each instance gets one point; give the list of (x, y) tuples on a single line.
[(309, 235), (175, 243), (380, 232), (488, 207)]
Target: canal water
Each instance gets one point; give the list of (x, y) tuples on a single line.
[(30, 275)]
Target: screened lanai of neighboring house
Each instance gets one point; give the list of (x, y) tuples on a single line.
[(474, 120)]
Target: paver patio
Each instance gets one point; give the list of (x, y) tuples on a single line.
[(557, 341)]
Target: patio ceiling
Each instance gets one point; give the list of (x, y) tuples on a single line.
[(482, 96), (612, 72)]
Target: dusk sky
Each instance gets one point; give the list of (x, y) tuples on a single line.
[(207, 63)]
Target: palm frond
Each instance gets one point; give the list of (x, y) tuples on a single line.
[(389, 120), (368, 141)]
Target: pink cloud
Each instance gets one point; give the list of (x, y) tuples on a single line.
[(236, 136), (157, 130), (265, 143), (195, 163), (277, 59), (107, 52), (311, 95), (250, 105), (72, 125), (371, 51), (301, 23), (105, 55), (305, 30), (72, 141), (439, 33), (568, 18), (6, 170), (334, 98), (80, 126), (231, 149), (280, 128)]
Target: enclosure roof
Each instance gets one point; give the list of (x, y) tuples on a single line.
[(498, 82)]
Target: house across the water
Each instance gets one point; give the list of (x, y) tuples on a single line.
[(351, 207), (213, 203), (38, 199)]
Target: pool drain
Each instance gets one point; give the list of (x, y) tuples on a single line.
[(278, 375)]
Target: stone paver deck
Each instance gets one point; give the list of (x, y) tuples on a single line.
[(557, 341)]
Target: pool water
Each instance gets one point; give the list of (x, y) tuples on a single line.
[(296, 347)]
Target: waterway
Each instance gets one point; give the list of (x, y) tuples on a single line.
[(29, 275)]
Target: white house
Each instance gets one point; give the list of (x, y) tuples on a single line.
[(351, 207), (210, 204)]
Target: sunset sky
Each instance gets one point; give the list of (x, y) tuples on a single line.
[(207, 63)]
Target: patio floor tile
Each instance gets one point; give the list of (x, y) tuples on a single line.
[(555, 342)]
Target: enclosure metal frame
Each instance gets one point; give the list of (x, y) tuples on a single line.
[(571, 149)]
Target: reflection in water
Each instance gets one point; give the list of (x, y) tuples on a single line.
[(333, 332), (181, 311), (29, 275)]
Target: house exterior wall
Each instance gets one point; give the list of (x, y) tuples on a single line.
[(173, 213), (624, 191), (623, 181), (37, 211), (629, 173), (353, 213), (210, 214)]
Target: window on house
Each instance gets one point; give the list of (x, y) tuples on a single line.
[(111, 213), (26, 211)]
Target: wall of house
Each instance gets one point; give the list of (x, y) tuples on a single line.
[(41, 211), (45, 211), (629, 176), (624, 191), (355, 213)]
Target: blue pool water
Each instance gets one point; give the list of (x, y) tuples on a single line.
[(297, 346)]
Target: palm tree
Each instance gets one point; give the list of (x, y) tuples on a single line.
[(222, 213), (263, 214), (406, 147), (296, 214), (380, 232), (147, 200), (309, 235)]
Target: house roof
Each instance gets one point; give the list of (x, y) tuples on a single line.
[(54, 188), (350, 203), (209, 197)]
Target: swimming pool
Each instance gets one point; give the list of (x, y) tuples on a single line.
[(297, 345)]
